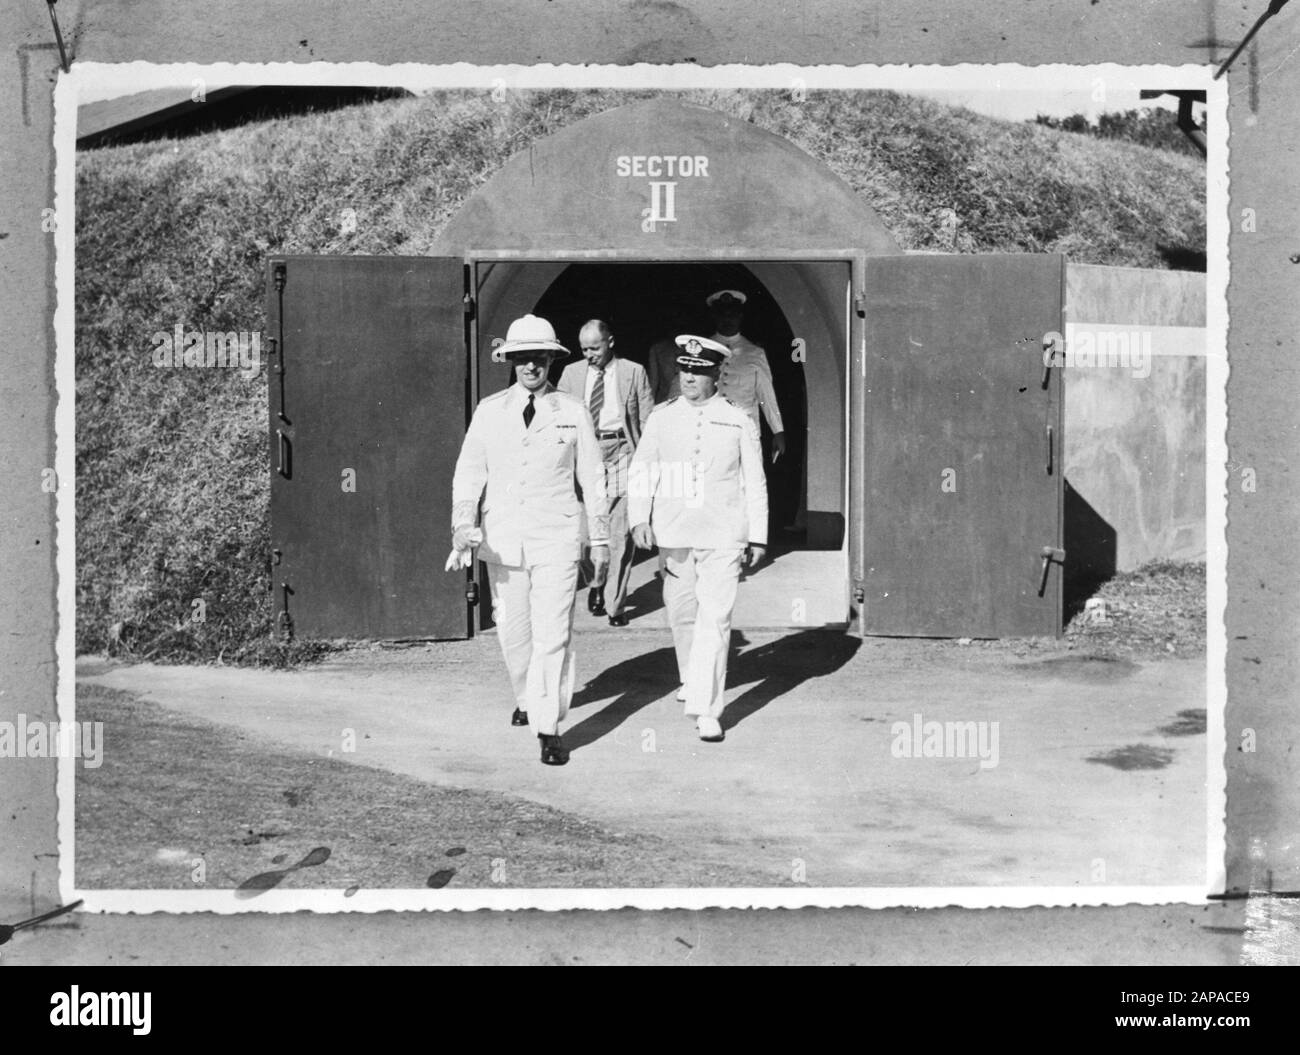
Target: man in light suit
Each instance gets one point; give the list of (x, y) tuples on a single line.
[(617, 394), (696, 489), (524, 451)]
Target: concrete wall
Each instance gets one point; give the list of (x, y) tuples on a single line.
[(1134, 416)]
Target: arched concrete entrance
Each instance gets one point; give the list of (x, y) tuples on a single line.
[(929, 483), (641, 212)]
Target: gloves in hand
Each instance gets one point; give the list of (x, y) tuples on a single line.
[(463, 541), (466, 537)]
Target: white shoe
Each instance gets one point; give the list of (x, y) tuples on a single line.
[(681, 694), (709, 728)]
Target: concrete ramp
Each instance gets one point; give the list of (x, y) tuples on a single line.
[(798, 588)]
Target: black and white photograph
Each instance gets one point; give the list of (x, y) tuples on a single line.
[(516, 489), (650, 483)]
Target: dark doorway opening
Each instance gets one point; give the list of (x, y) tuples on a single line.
[(791, 304), (645, 303)]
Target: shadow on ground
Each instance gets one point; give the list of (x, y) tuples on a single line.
[(634, 683), (776, 668), (782, 665)]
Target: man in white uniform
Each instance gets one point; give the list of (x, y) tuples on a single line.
[(746, 376), (617, 394), (524, 451), (696, 490)]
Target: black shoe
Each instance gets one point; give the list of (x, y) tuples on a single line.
[(554, 753), (596, 602), (519, 717), (618, 620)]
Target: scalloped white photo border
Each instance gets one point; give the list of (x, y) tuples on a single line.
[(92, 81)]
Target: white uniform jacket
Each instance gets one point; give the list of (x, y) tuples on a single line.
[(525, 477), (697, 477), (746, 380)]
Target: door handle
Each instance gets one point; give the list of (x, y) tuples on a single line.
[(283, 620), (1050, 463), (1049, 357), (283, 454), (1049, 554)]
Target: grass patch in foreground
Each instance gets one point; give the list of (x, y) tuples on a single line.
[(173, 789)]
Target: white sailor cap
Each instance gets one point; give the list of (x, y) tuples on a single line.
[(726, 297)]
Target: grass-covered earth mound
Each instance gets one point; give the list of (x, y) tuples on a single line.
[(172, 467)]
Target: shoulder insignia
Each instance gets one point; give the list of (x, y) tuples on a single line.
[(494, 396)]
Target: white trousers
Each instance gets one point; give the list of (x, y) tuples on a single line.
[(533, 610), (699, 595)]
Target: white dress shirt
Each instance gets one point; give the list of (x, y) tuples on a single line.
[(611, 410)]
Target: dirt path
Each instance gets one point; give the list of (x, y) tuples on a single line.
[(1096, 779)]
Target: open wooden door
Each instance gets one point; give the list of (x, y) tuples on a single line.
[(367, 413), (961, 446)]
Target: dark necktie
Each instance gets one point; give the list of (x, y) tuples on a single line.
[(597, 395), (529, 411)]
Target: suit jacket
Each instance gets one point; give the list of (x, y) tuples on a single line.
[(661, 368), (697, 477), (634, 392), (526, 479)]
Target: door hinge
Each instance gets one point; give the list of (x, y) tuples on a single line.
[(860, 305), (468, 301)]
